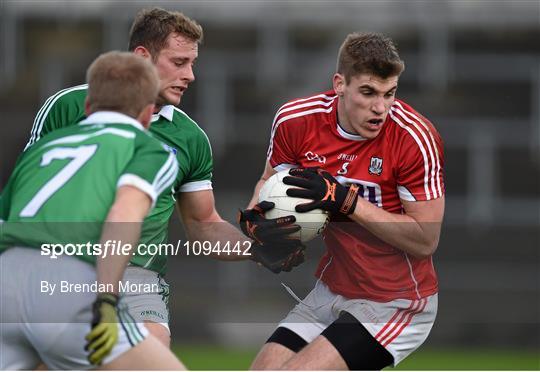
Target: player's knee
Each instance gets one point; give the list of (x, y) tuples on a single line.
[(271, 357), (282, 345), (160, 332)]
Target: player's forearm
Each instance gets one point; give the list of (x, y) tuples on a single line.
[(110, 268), (228, 242), (255, 198), (203, 223), (123, 226), (419, 239)]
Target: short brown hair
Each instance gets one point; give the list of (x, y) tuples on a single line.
[(122, 82), (152, 27), (368, 52)]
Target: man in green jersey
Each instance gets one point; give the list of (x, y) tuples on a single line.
[(91, 183), (170, 40)]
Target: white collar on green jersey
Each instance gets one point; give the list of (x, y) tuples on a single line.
[(166, 111), (111, 117)]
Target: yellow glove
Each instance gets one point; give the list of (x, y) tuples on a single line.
[(104, 333)]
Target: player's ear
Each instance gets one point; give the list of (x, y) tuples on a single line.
[(142, 51), (145, 117), (339, 84), (87, 107)]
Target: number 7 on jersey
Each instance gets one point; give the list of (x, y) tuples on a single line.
[(80, 156)]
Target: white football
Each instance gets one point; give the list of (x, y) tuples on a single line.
[(312, 223)]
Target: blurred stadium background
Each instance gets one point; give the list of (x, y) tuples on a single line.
[(472, 67)]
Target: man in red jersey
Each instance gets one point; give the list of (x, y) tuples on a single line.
[(376, 165)]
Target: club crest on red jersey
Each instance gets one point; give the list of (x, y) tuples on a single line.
[(375, 166)]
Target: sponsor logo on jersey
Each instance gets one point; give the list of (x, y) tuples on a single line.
[(347, 157), (375, 166), (152, 313), (312, 156)]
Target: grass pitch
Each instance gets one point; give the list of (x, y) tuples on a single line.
[(218, 358)]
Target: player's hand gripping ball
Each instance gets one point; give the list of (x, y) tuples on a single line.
[(323, 189), (311, 221), (263, 230), (273, 247)]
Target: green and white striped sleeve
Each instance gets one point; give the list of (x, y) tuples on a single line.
[(60, 110), (152, 169)]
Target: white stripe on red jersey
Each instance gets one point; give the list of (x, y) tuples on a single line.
[(432, 143), (424, 143), (322, 106), (422, 148)]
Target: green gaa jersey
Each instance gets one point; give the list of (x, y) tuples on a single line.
[(63, 187), (173, 127)]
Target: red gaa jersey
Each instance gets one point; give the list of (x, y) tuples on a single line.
[(405, 161)]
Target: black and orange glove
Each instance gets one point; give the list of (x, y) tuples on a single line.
[(273, 247), (257, 227), (325, 191), (278, 257)]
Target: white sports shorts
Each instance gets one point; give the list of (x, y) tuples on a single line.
[(401, 326), (147, 305), (38, 323)]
